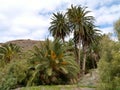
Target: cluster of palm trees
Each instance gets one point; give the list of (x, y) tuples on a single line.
[(58, 61), (77, 21)]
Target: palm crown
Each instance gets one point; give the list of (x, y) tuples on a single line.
[(59, 27)]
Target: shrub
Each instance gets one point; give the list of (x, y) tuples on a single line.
[(13, 75), (109, 67), (8, 82)]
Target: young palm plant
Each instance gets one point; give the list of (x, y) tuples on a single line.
[(9, 51), (53, 64)]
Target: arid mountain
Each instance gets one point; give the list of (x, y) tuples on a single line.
[(25, 44)]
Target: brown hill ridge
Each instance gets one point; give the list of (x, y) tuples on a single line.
[(25, 44)]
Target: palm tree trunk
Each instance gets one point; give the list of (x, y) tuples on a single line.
[(63, 39), (93, 60), (93, 64), (76, 52), (79, 55), (79, 61), (84, 59)]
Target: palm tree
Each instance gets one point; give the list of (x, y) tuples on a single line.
[(78, 18), (9, 51), (53, 64), (92, 36), (59, 27)]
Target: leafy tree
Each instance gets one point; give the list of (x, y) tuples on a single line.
[(53, 64), (117, 28), (109, 69), (59, 27)]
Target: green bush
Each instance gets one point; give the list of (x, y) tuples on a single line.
[(109, 66), (8, 82), (13, 75)]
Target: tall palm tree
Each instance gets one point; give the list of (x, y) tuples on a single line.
[(78, 19), (92, 36), (59, 27), (9, 51)]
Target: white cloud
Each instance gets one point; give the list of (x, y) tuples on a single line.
[(107, 15), (30, 19), (17, 31), (107, 30)]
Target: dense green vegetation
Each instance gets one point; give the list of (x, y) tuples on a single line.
[(53, 64), (109, 65), (58, 87), (61, 62)]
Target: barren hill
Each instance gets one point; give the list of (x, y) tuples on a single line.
[(25, 44)]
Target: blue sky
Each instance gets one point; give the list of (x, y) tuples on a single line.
[(30, 19)]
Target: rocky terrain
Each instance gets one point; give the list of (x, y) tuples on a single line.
[(25, 44)]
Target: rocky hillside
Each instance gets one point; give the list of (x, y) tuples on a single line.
[(25, 44)]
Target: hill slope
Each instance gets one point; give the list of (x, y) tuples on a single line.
[(25, 44)]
